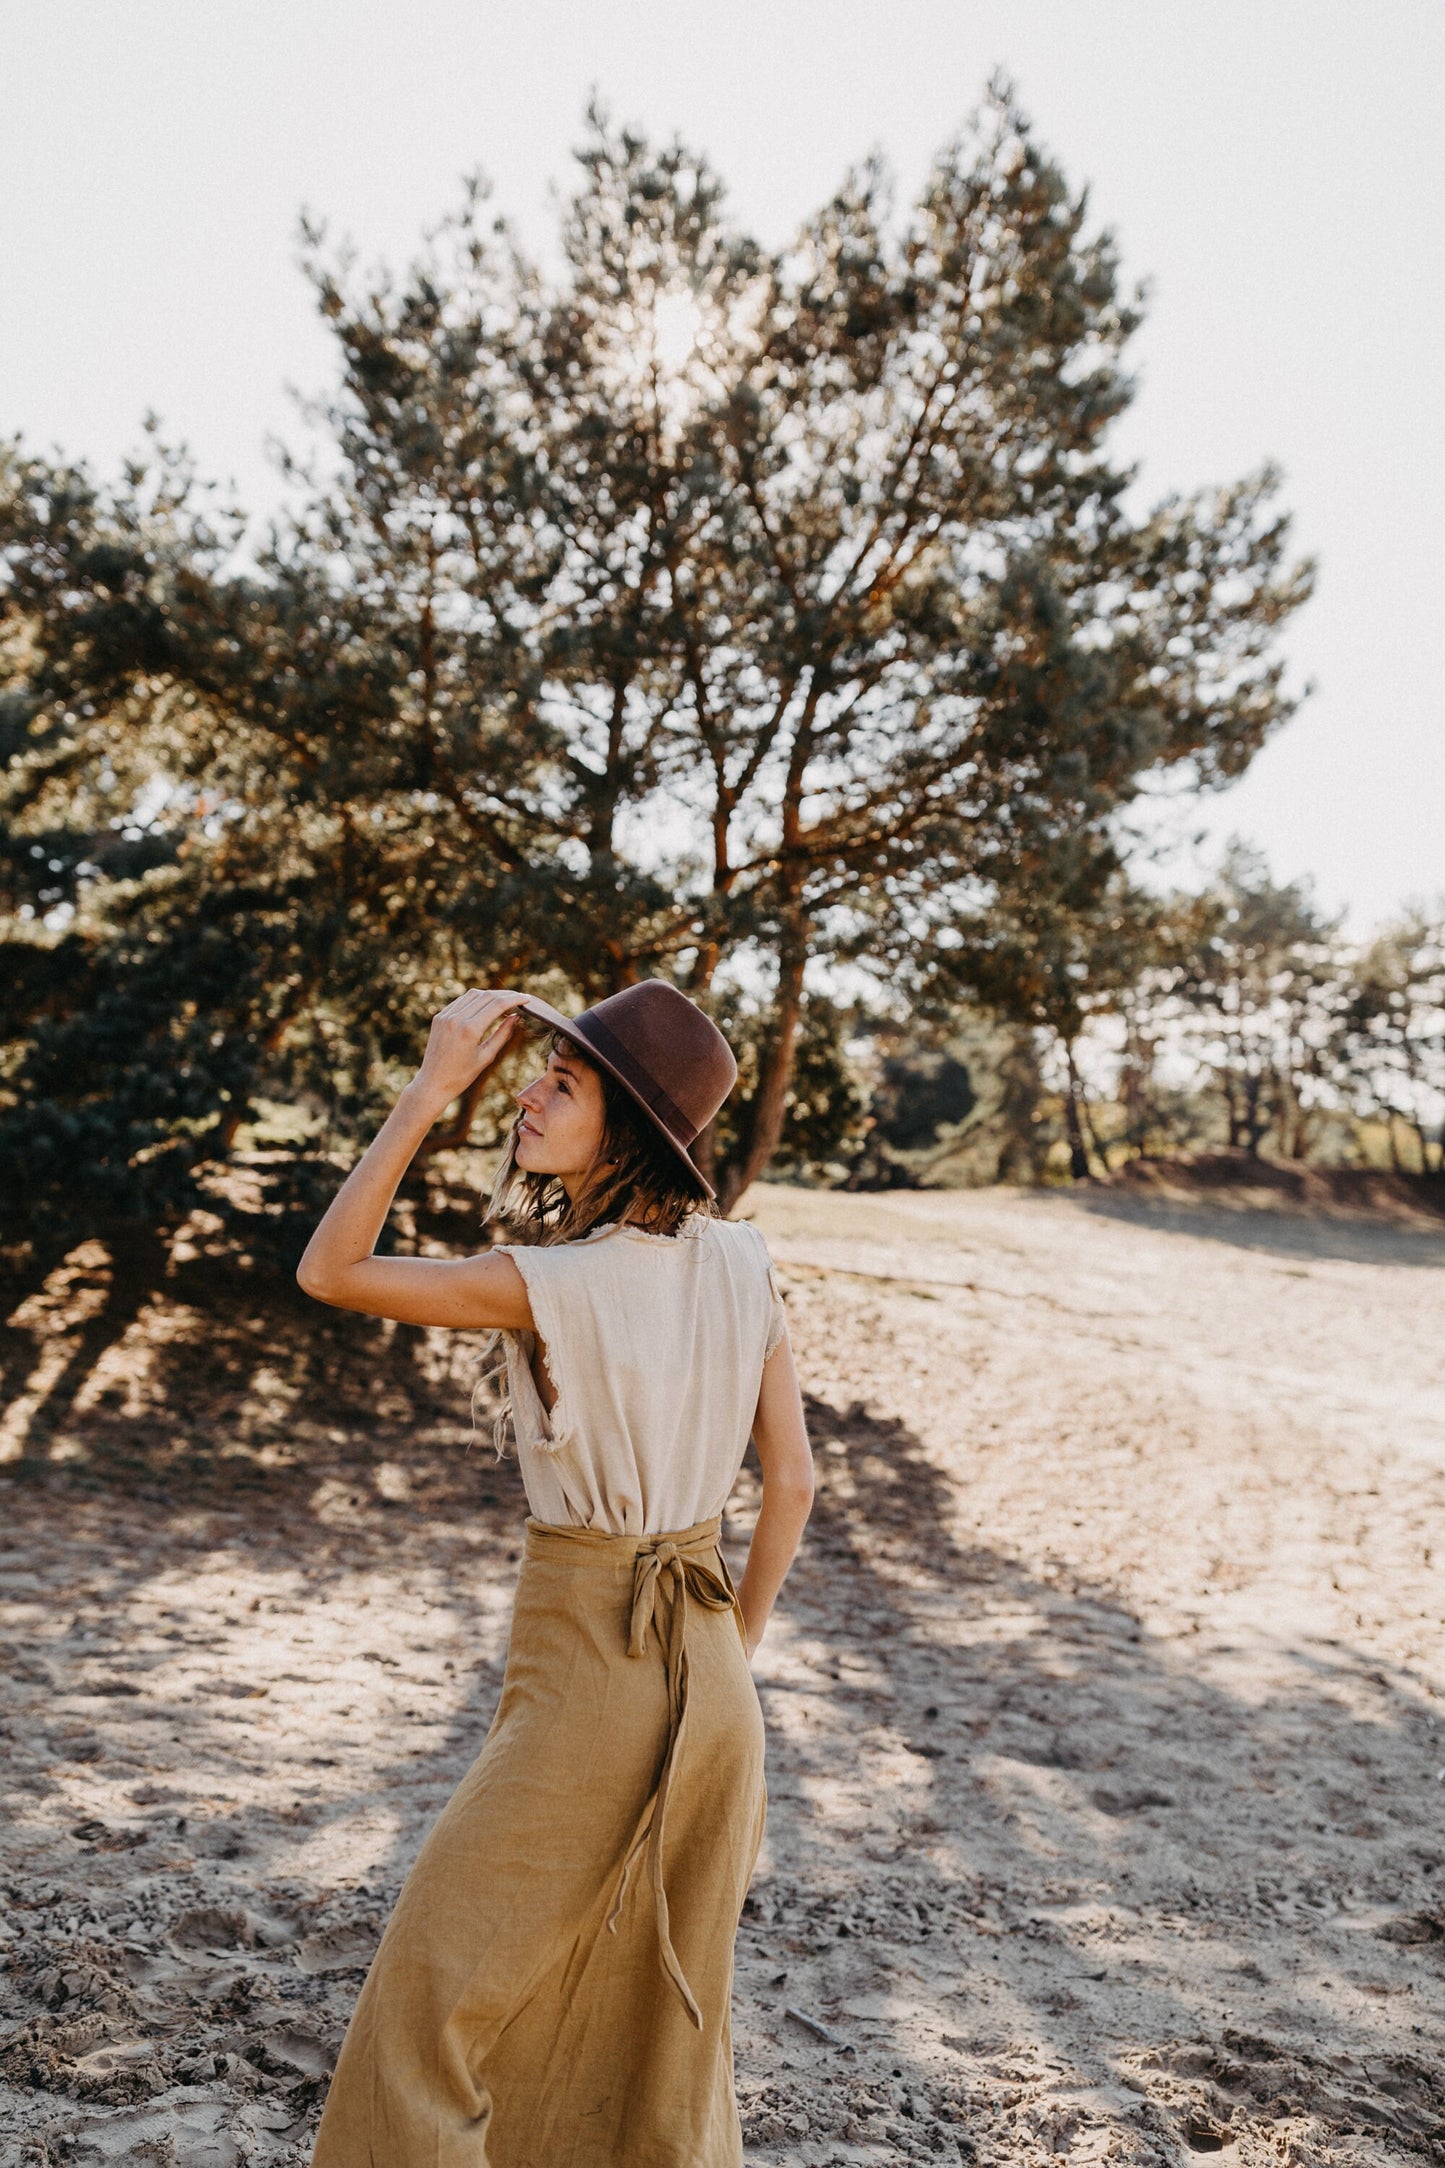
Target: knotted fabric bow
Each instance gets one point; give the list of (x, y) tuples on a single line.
[(674, 1574)]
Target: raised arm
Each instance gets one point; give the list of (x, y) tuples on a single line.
[(786, 1458), (467, 1038)]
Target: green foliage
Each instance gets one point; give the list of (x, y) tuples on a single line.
[(708, 611), (1394, 1037), (828, 1100), (1238, 1017), (1262, 987), (1067, 948)]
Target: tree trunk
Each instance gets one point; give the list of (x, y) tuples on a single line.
[(770, 1100), (1291, 1122), (1091, 1133), (1135, 1083), (1079, 1166), (704, 965)]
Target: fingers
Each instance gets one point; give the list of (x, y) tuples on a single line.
[(472, 1032), (480, 1002), (496, 1035), (493, 997)]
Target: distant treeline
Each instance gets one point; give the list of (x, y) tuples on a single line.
[(1239, 1017), (774, 620)]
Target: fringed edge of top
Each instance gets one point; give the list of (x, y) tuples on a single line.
[(495, 1368), (497, 1357), (559, 1431)]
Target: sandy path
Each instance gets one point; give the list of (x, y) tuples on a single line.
[(1107, 1714)]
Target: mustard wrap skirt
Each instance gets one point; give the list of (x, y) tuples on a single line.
[(553, 1988)]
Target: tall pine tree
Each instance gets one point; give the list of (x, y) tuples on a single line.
[(706, 610)]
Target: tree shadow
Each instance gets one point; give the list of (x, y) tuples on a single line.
[(1087, 1888), (1275, 1232), (207, 1375), (87, 1300), (1019, 1862), (163, 1555)]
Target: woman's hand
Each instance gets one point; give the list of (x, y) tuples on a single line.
[(341, 1266), (467, 1039)]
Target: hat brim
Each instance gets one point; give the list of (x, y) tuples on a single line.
[(533, 1005)]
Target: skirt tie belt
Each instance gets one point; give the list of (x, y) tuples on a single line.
[(665, 1575), (669, 1572)]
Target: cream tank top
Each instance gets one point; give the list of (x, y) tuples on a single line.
[(655, 1345)]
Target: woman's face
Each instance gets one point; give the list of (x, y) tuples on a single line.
[(561, 1125)]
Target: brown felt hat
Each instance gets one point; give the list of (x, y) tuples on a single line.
[(662, 1050)]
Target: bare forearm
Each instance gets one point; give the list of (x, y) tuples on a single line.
[(340, 1266), (780, 1438), (781, 1520), (357, 1213)]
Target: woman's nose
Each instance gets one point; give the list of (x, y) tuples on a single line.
[(526, 1097)]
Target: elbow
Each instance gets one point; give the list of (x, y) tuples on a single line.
[(335, 1283), (793, 1492), (311, 1280)]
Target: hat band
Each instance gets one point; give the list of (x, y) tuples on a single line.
[(630, 1069)]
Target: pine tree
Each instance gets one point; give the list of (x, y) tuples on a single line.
[(712, 611), (1394, 1030), (1262, 987)]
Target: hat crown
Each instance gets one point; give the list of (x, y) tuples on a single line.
[(662, 1049), (666, 1049)]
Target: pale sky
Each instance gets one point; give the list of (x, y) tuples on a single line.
[(1275, 168)]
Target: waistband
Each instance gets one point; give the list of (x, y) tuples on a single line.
[(550, 1539), (669, 1571)]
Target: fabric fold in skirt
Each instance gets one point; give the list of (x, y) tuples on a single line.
[(553, 1988)]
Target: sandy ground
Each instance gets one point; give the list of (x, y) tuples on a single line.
[(1106, 1705)]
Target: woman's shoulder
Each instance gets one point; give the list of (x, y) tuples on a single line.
[(742, 1235), (742, 1247), (605, 1248), (703, 1233)]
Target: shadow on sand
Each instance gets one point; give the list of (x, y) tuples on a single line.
[(1004, 1872), (1045, 1914), (1276, 1231)]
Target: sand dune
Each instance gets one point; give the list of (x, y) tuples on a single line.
[(1106, 1706)]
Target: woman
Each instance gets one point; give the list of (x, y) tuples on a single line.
[(552, 1990)]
